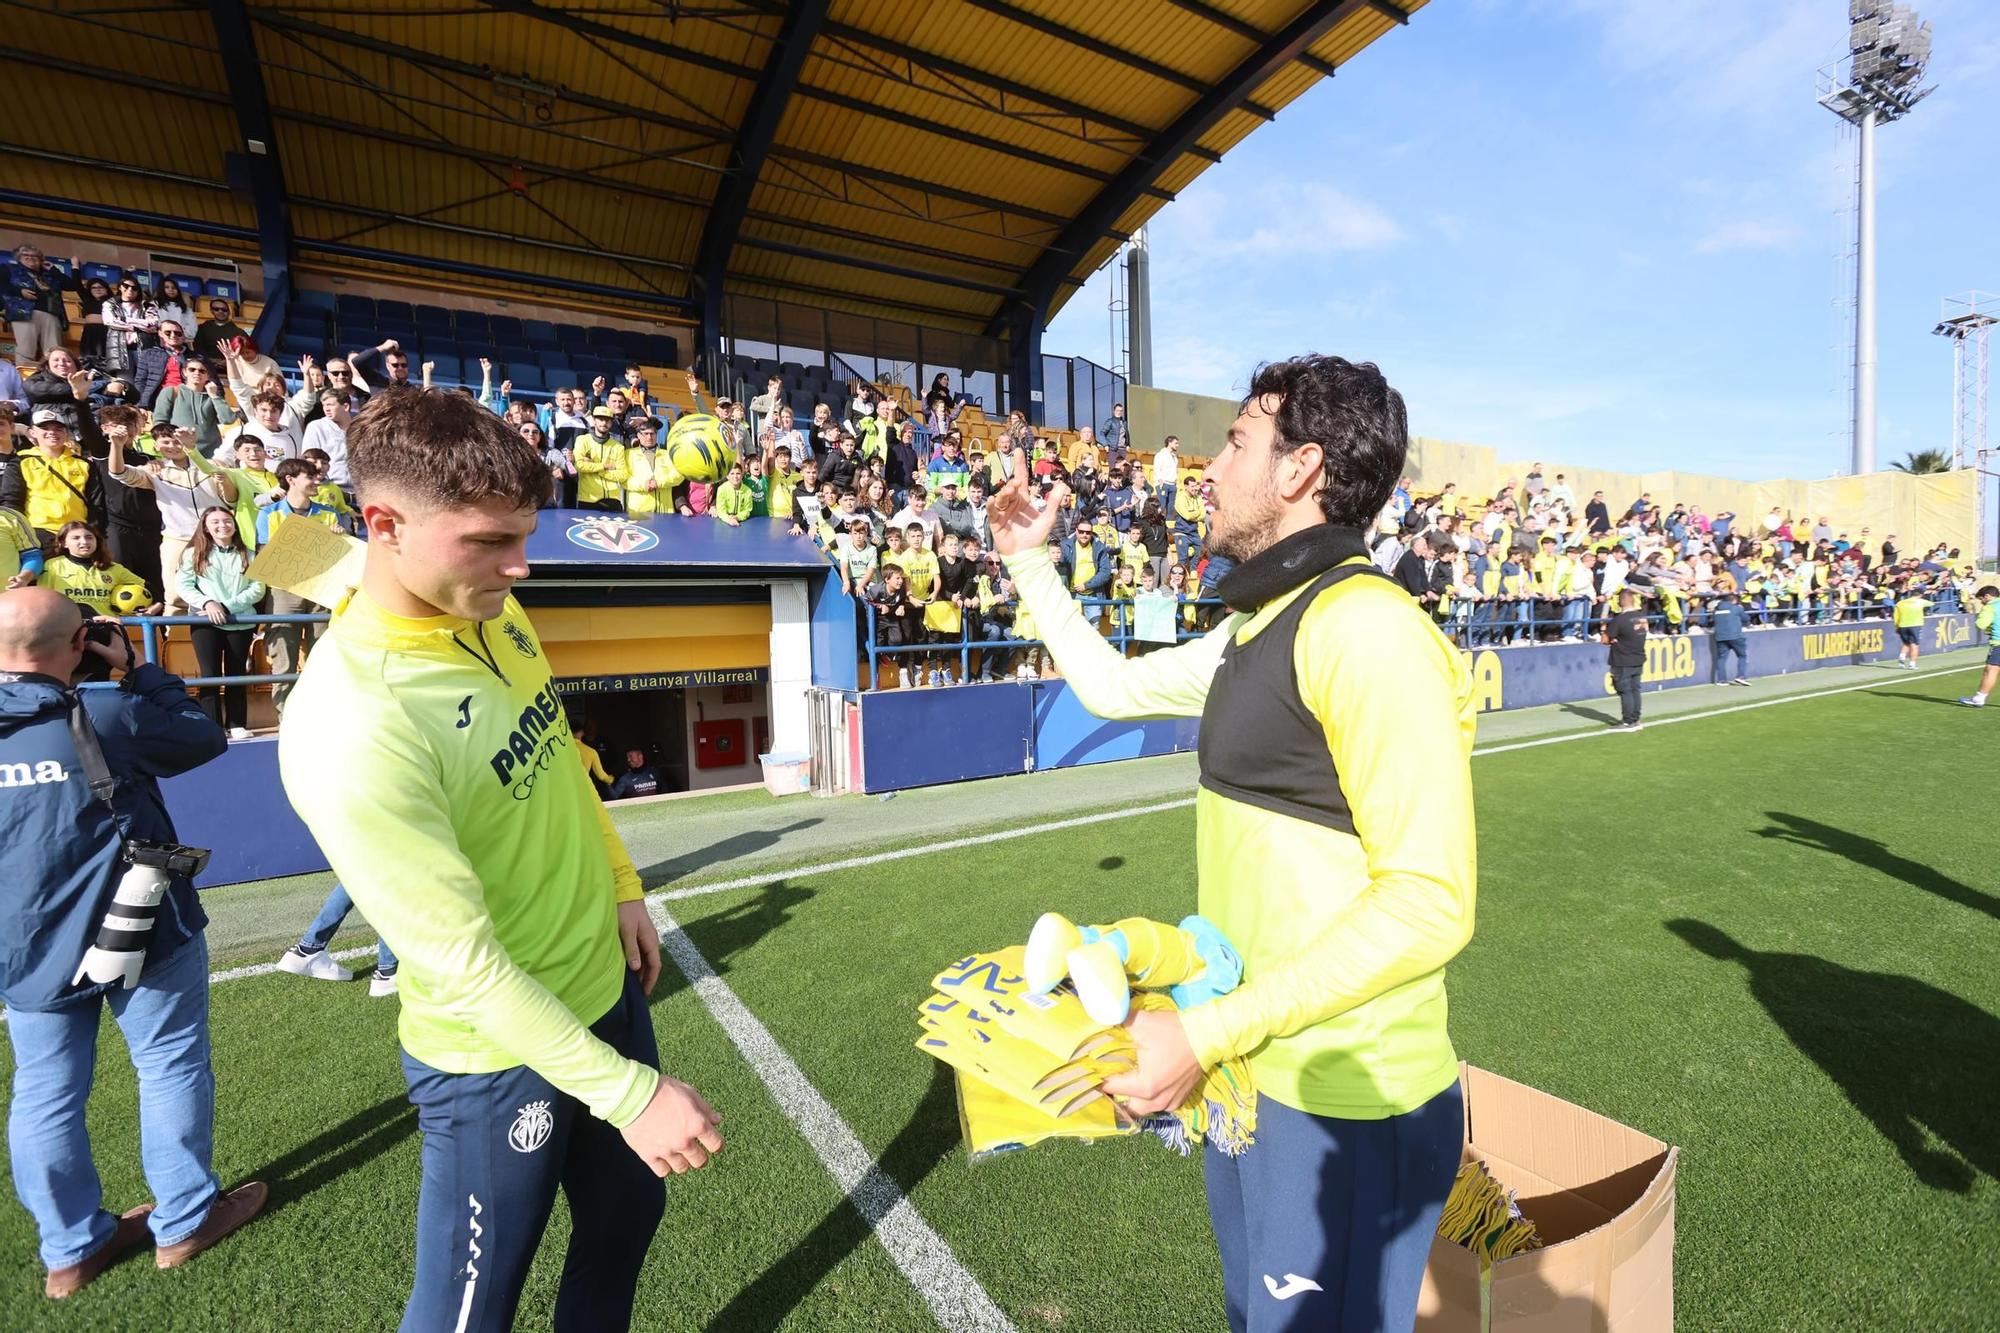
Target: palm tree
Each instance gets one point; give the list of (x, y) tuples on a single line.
[(1923, 462)]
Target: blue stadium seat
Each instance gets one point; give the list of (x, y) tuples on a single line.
[(661, 350), (526, 376), (190, 284), (350, 305), (224, 289), (353, 337), (399, 310), (599, 335), (571, 336), (60, 265), (512, 353), (392, 326), (108, 274), (146, 278), (473, 325), (433, 317), (444, 367), (506, 329), (538, 333), (292, 346), (803, 403), (310, 299), (553, 363)]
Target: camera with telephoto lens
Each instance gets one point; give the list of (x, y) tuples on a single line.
[(120, 949)]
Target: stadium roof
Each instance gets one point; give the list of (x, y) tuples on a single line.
[(951, 163)]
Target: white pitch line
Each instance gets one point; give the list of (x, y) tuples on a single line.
[(659, 896), (955, 1298), (1719, 712)]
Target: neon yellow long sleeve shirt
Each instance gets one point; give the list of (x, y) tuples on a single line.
[(1344, 936), (433, 762)]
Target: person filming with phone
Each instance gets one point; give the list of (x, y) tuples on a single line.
[(97, 907)]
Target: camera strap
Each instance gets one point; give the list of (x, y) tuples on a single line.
[(82, 736)]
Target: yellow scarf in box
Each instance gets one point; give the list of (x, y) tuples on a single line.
[(1028, 1066)]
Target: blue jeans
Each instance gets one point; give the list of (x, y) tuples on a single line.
[(1576, 611), (496, 1147), (334, 911), (165, 1022), (1351, 1205), (1724, 647)]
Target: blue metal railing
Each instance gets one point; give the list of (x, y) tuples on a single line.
[(149, 637), (1124, 632)]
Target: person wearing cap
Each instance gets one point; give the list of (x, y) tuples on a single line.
[(649, 478), (954, 512), (53, 484), (1190, 522), (600, 465)]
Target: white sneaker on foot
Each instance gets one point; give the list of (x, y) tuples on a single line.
[(1973, 701), (381, 983), (239, 733), (318, 965)]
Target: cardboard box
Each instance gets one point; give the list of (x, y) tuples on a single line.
[(1602, 1196)]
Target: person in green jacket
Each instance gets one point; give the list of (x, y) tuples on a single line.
[(426, 749), (1334, 849), (215, 582), (734, 501)]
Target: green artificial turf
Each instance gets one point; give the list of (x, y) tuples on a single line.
[(1766, 938)]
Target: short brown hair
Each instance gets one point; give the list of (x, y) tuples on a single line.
[(276, 400), (443, 449), (116, 415)]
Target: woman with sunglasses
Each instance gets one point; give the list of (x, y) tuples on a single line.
[(131, 324)]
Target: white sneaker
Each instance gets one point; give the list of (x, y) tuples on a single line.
[(946, 678), (1021, 672), (381, 983), (239, 733), (318, 965), (1973, 701)]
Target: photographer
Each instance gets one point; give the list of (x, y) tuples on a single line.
[(97, 905)]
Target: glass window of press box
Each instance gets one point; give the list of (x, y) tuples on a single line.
[(818, 353)]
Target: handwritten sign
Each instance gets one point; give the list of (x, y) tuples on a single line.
[(311, 560), (1153, 620)]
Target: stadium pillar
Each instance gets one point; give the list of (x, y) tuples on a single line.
[(254, 166), (1024, 362), (758, 129)]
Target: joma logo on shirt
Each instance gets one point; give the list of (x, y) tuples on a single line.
[(537, 720), (30, 775)]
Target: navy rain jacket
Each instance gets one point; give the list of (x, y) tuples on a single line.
[(60, 846)]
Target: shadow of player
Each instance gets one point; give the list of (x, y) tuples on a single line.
[(1907, 1055), (732, 848), (1864, 851), (730, 931), (926, 1139), (353, 1143)]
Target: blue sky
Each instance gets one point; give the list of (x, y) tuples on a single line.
[(1603, 231)]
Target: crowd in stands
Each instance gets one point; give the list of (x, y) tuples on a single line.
[(128, 425)]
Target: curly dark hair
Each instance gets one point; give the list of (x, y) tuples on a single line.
[(1357, 420)]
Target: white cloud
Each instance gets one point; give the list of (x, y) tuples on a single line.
[(1720, 58), (1272, 222), (1749, 234)]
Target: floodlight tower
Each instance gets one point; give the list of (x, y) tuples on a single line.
[(1968, 321), (1887, 51)]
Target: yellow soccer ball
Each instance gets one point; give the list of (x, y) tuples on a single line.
[(128, 599), (698, 449)]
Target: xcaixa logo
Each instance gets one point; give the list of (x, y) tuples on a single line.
[(612, 536)]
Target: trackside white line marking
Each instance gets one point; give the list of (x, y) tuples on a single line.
[(1105, 816), (659, 896), (955, 1298), (877, 858), (1719, 712)]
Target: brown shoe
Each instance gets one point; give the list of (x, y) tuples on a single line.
[(128, 1236), (227, 1213)]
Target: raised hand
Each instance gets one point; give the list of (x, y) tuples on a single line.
[(1011, 514)]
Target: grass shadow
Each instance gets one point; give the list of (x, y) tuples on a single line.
[(353, 1143), (926, 1139), (1920, 698), (732, 848), (1876, 855), (732, 930), (1917, 1061)]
